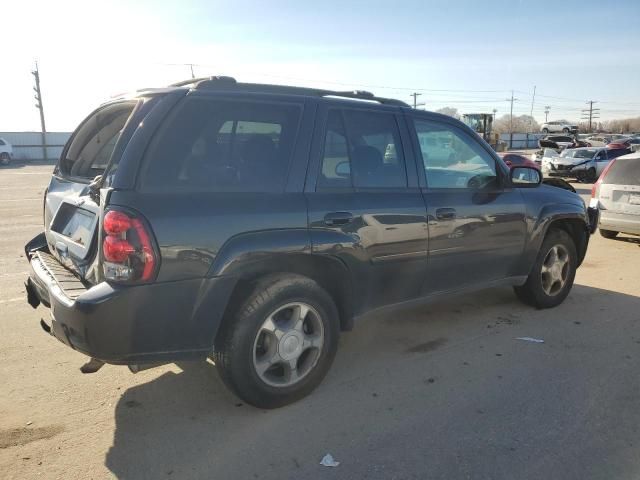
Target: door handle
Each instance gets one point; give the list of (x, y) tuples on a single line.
[(338, 218), (446, 213)]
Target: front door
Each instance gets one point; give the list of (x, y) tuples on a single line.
[(476, 221), (365, 205)]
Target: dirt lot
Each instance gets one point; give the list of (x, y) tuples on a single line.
[(445, 391)]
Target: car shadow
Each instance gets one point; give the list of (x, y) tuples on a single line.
[(629, 239), (19, 164), (186, 424)]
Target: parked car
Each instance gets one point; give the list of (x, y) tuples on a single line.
[(293, 223), (599, 140), (617, 196), (6, 152), (624, 143), (562, 141), (517, 160), (559, 126), (584, 164)]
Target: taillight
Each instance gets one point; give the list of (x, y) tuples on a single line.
[(596, 186), (127, 248)]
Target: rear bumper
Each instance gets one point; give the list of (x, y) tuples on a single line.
[(619, 222), (154, 323)]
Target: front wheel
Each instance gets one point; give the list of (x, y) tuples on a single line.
[(545, 130), (591, 175), (565, 130), (280, 343), (553, 272), (5, 159)]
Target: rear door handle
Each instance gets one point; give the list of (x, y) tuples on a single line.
[(446, 213), (338, 218)]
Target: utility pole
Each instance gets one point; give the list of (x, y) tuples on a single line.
[(533, 98), (546, 113), (494, 114), (192, 74), (415, 96), (511, 119), (590, 113), (38, 97)]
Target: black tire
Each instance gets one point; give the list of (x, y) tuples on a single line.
[(545, 130), (235, 343), (532, 292), (608, 233), (5, 159), (565, 130)]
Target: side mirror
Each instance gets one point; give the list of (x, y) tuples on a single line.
[(525, 177), (343, 169)]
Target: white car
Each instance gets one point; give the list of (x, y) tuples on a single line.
[(580, 163), (616, 195), (559, 126), (6, 152)]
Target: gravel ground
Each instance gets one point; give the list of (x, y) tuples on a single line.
[(443, 391)]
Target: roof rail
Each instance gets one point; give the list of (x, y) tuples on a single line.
[(222, 82)]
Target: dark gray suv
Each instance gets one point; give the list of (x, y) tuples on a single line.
[(253, 223)]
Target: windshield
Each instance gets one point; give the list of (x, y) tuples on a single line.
[(588, 153)]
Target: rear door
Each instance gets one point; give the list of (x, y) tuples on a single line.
[(364, 203), (72, 210), (476, 220)]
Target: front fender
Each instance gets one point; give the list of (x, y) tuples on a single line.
[(540, 223)]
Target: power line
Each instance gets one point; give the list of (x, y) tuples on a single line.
[(593, 113)]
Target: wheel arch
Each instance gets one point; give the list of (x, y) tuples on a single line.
[(568, 217)]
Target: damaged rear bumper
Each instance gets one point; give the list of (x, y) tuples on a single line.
[(127, 325)]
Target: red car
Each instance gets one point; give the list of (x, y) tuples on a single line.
[(517, 160), (623, 143)]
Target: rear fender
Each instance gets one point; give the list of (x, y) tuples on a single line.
[(250, 256)]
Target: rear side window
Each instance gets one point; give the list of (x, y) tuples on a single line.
[(94, 141), (223, 146), (625, 171), (362, 150)]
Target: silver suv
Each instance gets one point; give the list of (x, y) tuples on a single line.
[(559, 126)]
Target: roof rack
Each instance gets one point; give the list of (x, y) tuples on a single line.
[(222, 83)]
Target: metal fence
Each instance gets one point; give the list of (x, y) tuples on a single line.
[(27, 146), (521, 140)]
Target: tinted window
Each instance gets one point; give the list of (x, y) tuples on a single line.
[(215, 145), (625, 171), (363, 150), (451, 159), (92, 144)]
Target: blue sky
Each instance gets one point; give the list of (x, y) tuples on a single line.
[(463, 54)]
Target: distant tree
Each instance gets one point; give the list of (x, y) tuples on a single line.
[(521, 124), (452, 112)]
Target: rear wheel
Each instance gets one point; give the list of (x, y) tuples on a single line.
[(280, 343), (608, 233), (553, 272), (5, 159)]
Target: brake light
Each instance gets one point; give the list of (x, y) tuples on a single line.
[(596, 186), (127, 248)]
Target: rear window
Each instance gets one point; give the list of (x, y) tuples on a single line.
[(94, 141), (625, 171), (219, 145)]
